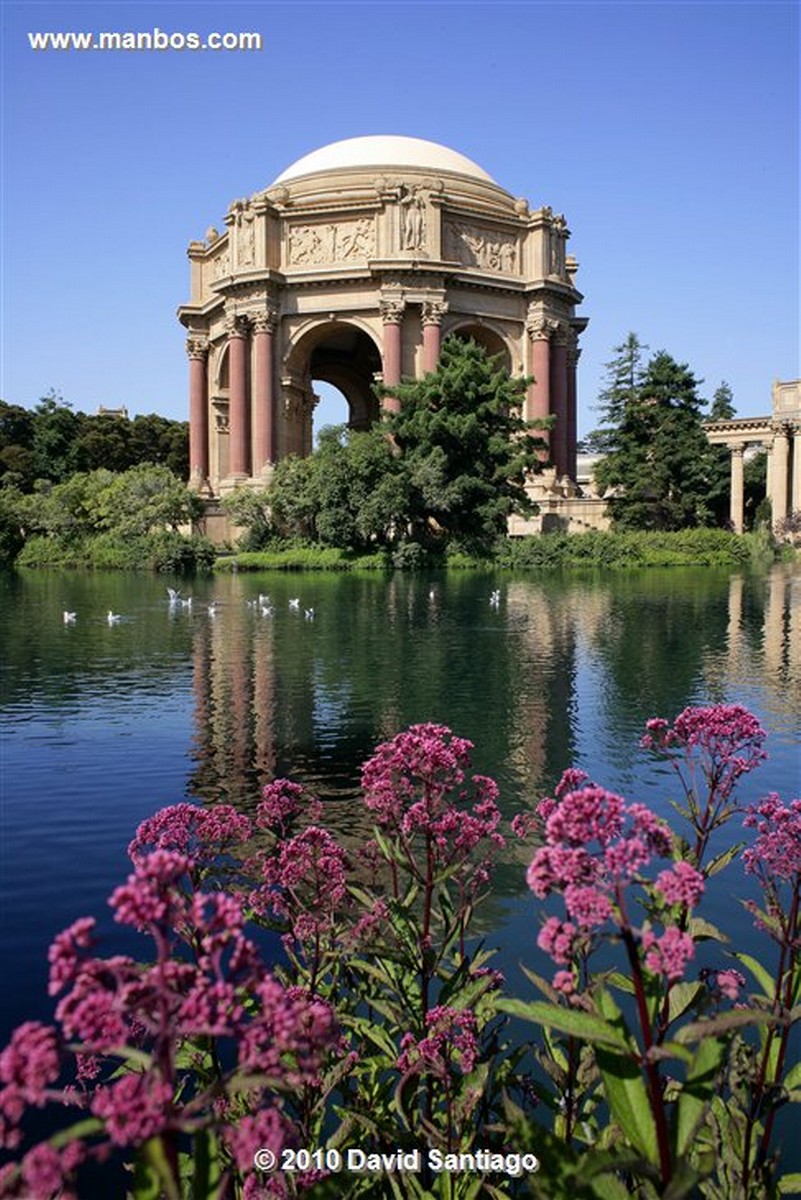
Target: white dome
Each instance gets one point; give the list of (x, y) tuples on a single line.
[(383, 152)]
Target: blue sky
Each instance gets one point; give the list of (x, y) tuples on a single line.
[(667, 133)]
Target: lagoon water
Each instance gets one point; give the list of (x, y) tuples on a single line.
[(104, 724)]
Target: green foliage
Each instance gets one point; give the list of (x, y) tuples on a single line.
[(722, 403), (52, 442), (103, 519), (464, 447), (629, 549), (658, 464)]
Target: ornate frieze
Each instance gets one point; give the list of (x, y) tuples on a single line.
[(481, 246), (221, 264), (346, 241)]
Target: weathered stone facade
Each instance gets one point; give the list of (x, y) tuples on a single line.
[(350, 268)]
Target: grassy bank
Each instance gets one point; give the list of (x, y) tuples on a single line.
[(692, 547)]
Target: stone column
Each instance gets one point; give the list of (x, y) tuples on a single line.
[(264, 325), (538, 396), (795, 489), (238, 464), (392, 316), (573, 355), (737, 488), (432, 313), (197, 348), (778, 476), (559, 437)]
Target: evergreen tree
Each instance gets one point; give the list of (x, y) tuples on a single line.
[(624, 376), (660, 461), (464, 447), (722, 409), (722, 403)]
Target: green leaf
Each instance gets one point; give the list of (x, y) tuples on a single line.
[(681, 998), (789, 1185), (762, 976), (153, 1170), (566, 1020), (722, 860), (727, 1023), (793, 1077), (703, 930), (625, 1091), (697, 1091)]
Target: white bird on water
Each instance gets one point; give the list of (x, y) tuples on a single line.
[(495, 598), (174, 594), (309, 614), (113, 618), (267, 610), (69, 617), (295, 603)]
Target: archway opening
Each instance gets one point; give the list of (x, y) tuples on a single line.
[(332, 408)]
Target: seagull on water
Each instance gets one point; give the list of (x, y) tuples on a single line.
[(295, 603), (174, 594), (309, 614), (113, 618), (69, 617)]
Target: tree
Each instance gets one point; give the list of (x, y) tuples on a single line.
[(464, 447), (720, 462), (722, 403), (659, 460), (624, 375)]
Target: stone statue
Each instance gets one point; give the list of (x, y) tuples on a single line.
[(412, 219)]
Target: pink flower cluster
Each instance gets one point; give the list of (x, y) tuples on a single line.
[(451, 1042), (776, 853), (202, 834), (206, 978), (305, 882), (411, 783), (726, 740), (595, 845)]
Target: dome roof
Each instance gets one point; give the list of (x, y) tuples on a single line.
[(383, 152)]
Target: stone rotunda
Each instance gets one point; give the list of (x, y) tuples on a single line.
[(350, 268)]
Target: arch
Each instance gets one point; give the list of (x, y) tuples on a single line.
[(486, 336), (344, 354)]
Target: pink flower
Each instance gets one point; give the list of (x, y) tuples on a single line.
[(777, 850), (31, 1061), (151, 896), (134, 1108), (451, 1041), (587, 906), (669, 954), (63, 954), (682, 884), (564, 982), (592, 814), (558, 939)]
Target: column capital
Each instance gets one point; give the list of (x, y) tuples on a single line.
[(433, 311), (197, 345), (265, 321), (736, 449), (540, 328), (562, 333), (392, 309), (236, 325)]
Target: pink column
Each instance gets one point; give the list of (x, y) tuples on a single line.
[(559, 437), (432, 314), (197, 349), (538, 397), (263, 392), (238, 398), (392, 314), (573, 354)]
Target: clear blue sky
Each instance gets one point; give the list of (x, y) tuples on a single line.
[(668, 134)]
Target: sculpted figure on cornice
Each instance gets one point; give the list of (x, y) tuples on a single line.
[(475, 246), (558, 237), (316, 244), (412, 218), (221, 264)]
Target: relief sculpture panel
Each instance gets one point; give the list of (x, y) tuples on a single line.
[(478, 246), (316, 244)]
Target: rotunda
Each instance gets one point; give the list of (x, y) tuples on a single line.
[(350, 268)]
